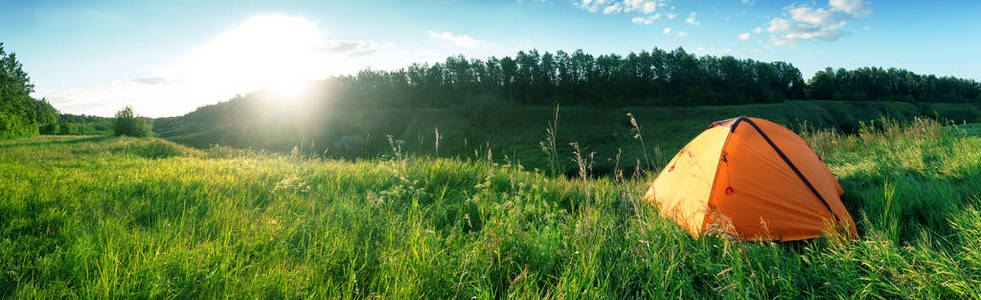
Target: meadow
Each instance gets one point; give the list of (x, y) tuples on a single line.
[(100, 217), (472, 129)]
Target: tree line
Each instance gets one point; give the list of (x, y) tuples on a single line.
[(21, 115), (477, 87), (890, 85), (656, 77)]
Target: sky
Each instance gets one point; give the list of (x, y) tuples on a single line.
[(168, 58)]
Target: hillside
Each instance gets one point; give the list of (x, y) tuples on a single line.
[(98, 217), (471, 131)]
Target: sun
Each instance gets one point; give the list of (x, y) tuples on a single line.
[(273, 54), (288, 90)]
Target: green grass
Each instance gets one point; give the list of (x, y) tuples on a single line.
[(515, 130), (972, 129), (97, 217)]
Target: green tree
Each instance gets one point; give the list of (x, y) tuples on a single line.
[(21, 115), (822, 85), (129, 124)]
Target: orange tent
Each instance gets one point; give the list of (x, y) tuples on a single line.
[(752, 178)]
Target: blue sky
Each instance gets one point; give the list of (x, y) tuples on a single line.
[(167, 58)]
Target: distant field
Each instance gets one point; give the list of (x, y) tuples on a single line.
[(515, 131), (100, 217), (972, 129)]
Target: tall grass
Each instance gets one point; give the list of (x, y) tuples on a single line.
[(549, 145), (653, 165), (437, 137), (97, 217)]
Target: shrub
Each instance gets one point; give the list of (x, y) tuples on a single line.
[(129, 124), (12, 125)]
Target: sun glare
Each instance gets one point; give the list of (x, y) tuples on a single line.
[(277, 54), (287, 91)]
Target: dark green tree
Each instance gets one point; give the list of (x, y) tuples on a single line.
[(129, 124), (21, 115)]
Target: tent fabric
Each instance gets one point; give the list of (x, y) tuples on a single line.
[(698, 162), (751, 178)]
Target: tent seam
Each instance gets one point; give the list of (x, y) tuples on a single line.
[(788, 162), (715, 178)]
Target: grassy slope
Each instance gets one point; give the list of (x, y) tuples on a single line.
[(95, 216), (515, 130)]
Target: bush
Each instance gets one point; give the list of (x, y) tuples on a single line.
[(129, 124), (12, 126)]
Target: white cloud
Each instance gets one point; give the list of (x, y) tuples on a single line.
[(778, 25), (649, 7), (809, 23), (749, 2), (813, 16), (646, 20), (671, 16), (350, 48), (681, 34), (757, 30), (712, 51), (613, 9), (667, 30), (590, 5), (642, 11), (263, 52), (644, 7), (851, 7), (692, 20), (462, 40), (744, 36)]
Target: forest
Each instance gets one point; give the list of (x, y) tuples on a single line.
[(656, 77), (890, 85), (649, 78)]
